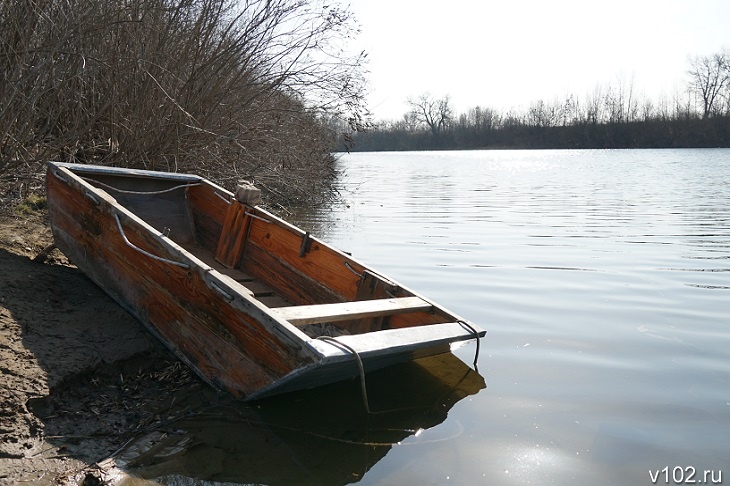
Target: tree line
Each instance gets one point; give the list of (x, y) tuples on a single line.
[(613, 116), (222, 88)]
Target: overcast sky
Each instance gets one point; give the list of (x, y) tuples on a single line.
[(508, 53)]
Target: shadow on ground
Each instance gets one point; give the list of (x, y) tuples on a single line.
[(73, 363)]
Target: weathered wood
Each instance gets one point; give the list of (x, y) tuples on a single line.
[(370, 287), (209, 259), (233, 235), (179, 305), (166, 212), (41, 257), (296, 287), (273, 301), (321, 264), (236, 275), (205, 311), (259, 289), (436, 316), (208, 213), (410, 340), (315, 314)]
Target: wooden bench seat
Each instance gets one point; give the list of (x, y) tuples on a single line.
[(301, 315)]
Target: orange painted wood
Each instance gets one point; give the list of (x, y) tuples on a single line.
[(210, 320), (228, 347), (436, 316), (233, 235), (291, 284), (321, 264), (207, 212)]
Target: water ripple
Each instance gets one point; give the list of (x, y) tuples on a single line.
[(600, 277)]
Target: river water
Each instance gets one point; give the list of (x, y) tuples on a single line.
[(603, 279)]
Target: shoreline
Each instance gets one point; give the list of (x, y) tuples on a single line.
[(80, 376)]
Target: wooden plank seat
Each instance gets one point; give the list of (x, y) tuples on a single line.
[(302, 315)]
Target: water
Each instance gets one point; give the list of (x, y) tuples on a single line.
[(602, 279)]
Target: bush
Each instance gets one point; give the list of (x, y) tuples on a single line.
[(222, 88)]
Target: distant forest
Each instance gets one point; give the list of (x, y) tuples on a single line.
[(611, 117)]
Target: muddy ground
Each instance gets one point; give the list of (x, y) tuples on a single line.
[(79, 376)]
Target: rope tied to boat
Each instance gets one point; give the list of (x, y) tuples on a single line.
[(225, 199), (140, 193), (251, 215), (476, 338), (361, 367), (349, 267), (145, 252)]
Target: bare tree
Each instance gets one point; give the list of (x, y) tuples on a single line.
[(484, 119), (594, 108), (436, 114), (709, 79), (409, 122), (541, 114), (620, 102)]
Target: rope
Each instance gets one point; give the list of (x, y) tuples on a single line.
[(251, 215), (133, 246), (227, 200), (141, 193), (248, 213), (361, 367), (349, 267), (476, 337)]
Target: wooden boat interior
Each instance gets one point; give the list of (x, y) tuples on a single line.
[(301, 279)]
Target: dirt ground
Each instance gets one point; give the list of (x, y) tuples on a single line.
[(79, 376)]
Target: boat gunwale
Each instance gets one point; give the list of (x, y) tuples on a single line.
[(143, 173)]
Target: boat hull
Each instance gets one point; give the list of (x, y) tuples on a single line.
[(134, 233)]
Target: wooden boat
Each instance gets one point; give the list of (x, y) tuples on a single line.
[(253, 304)]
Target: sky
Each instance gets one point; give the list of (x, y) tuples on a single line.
[(506, 54)]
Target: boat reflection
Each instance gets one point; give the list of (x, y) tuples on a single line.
[(321, 436)]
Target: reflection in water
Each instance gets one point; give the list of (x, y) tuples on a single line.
[(321, 436), (602, 277)]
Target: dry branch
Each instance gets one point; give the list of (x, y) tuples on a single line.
[(222, 88)]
